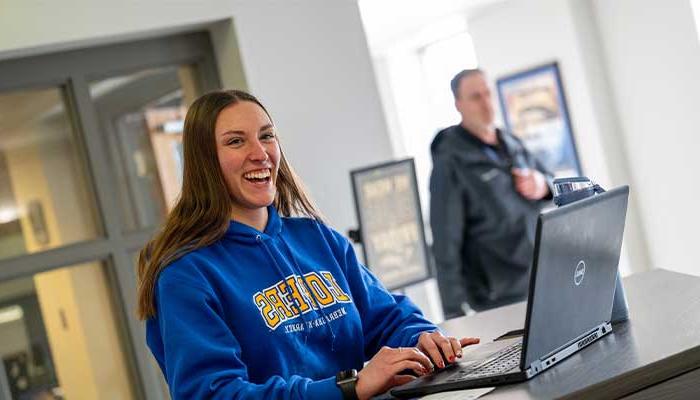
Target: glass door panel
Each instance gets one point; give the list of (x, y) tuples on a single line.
[(60, 338), (44, 195), (142, 115)]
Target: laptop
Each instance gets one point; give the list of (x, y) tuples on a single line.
[(572, 283)]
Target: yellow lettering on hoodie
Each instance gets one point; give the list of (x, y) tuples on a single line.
[(274, 298), (304, 289), (340, 295), (319, 289), (289, 298), (268, 313), (295, 294)]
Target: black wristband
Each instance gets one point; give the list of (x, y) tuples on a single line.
[(346, 381)]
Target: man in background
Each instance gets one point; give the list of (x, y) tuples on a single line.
[(486, 191)]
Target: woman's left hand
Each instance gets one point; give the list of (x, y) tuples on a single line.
[(440, 348)]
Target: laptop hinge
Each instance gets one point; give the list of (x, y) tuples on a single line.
[(534, 369), (547, 361)]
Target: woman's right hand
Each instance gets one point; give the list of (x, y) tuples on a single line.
[(382, 372)]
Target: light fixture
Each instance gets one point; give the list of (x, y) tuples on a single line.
[(11, 314), (8, 214)]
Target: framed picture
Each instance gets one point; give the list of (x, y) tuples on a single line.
[(534, 110), (391, 223)]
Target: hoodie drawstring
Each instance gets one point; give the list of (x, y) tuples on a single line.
[(259, 239), (298, 271), (308, 289)]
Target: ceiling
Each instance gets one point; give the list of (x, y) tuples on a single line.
[(389, 21)]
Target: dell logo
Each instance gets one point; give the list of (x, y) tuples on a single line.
[(578, 272)]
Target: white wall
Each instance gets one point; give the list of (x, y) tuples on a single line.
[(515, 35), (653, 59), (307, 61)]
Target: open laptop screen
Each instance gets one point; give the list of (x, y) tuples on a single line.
[(577, 250)]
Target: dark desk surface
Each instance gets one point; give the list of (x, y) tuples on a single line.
[(660, 341)]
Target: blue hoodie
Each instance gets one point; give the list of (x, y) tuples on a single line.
[(273, 314)]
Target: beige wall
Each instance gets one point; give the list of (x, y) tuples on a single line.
[(56, 293), (26, 175)]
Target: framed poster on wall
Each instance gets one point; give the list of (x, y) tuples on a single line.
[(534, 110), (391, 223)]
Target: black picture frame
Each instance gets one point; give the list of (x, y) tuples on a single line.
[(534, 109), (391, 226)]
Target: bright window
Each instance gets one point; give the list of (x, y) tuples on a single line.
[(414, 78), (695, 5)]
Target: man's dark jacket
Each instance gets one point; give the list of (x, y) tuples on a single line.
[(483, 229)]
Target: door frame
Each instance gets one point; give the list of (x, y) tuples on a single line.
[(72, 71)]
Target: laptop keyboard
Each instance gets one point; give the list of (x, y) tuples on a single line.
[(500, 362)]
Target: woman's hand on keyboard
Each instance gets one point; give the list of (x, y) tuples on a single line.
[(388, 369), (441, 349)]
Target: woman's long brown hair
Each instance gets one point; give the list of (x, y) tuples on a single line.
[(203, 210)]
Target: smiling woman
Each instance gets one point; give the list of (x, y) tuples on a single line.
[(249, 156), (241, 299), (216, 128)]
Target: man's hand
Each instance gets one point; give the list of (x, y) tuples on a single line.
[(440, 348), (530, 183)]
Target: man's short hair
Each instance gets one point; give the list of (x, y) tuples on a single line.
[(454, 83)]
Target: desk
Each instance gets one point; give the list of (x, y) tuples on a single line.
[(656, 354)]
